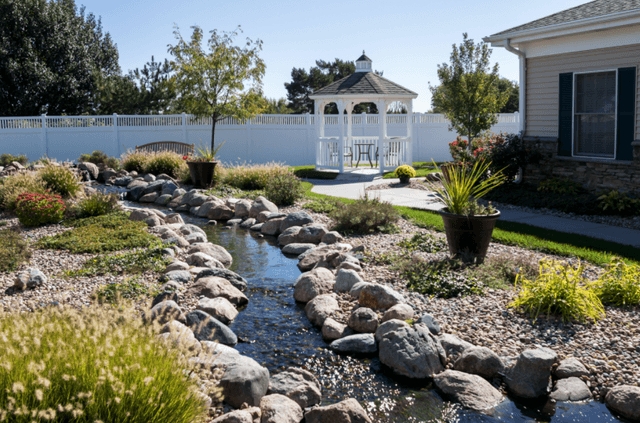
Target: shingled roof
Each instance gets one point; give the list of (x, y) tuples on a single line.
[(364, 83), (588, 10)]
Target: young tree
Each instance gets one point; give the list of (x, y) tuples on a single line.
[(224, 82), (504, 86), (468, 94)]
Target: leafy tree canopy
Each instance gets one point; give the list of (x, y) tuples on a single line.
[(276, 107), (468, 94), (504, 85), (51, 56)]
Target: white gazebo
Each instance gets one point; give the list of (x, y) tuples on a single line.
[(363, 86)]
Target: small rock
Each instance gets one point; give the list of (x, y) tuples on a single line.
[(469, 390), (347, 411), (296, 249), (278, 408), (431, 323), (363, 343), (363, 320), (29, 279), (346, 280), (570, 389), (313, 283), (399, 312), (321, 307)]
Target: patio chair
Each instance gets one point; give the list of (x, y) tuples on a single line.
[(333, 153), (391, 154)]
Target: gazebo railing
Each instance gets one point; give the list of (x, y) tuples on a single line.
[(326, 153), (396, 152)]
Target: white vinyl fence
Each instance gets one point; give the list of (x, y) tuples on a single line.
[(289, 139)]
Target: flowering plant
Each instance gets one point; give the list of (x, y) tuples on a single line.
[(39, 209), (405, 170), (481, 148)]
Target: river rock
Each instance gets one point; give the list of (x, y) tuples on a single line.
[(244, 381), (452, 344), (347, 411), (309, 259), (170, 295), (321, 307), (137, 183), (220, 213), (257, 227), (411, 353), (235, 279), (195, 200), (216, 251), (300, 218), (290, 236), (357, 289), (174, 218), (208, 328), (237, 416), (123, 181), (313, 283), (570, 389), (149, 198), (272, 226), (206, 207), (297, 384), (261, 204), (166, 311), (149, 177), (431, 323), (480, 361), (278, 408), (389, 326), (198, 259), (177, 333), (571, 367), (399, 312), (91, 168), (213, 287), (346, 279), (471, 391), (219, 307), (135, 193), (332, 237), (29, 279), (155, 186), (529, 376), (242, 209), (625, 400), (348, 265), (296, 249), (163, 200), (362, 343), (181, 276), (168, 188), (379, 296), (179, 193), (188, 228), (332, 330), (363, 320), (263, 216), (195, 238), (312, 234)]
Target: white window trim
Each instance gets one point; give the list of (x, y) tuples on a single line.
[(573, 117)]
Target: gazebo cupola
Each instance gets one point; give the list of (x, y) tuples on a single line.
[(362, 86)]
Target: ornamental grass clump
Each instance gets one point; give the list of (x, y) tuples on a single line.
[(60, 180), (253, 176), (620, 284), (96, 364), (364, 216), (13, 186), (135, 160), (97, 204), (100, 157), (166, 162), (14, 249), (39, 209), (560, 289)]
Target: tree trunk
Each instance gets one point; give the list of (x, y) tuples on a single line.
[(213, 133)]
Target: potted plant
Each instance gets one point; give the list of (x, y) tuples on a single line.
[(467, 224), (405, 172), (202, 166)]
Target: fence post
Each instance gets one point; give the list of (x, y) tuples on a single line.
[(184, 128), (247, 123), (115, 132), (310, 141), (45, 141)]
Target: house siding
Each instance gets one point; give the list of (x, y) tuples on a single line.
[(542, 83)]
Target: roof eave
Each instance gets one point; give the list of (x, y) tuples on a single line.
[(352, 96), (583, 25)]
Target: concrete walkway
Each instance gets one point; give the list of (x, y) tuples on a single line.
[(354, 188)]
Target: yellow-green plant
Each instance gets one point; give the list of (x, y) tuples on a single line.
[(167, 162), (405, 170), (463, 186), (559, 289), (205, 154), (96, 364), (620, 284), (252, 176), (135, 160), (21, 183), (60, 180)]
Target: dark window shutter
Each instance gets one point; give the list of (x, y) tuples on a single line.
[(565, 119), (626, 113)]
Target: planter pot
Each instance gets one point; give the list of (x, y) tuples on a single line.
[(470, 234), (404, 179), (202, 173)]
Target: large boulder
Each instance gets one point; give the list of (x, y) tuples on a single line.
[(244, 381), (216, 251), (313, 283), (625, 400), (91, 168), (389, 326), (363, 320), (471, 391), (272, 226), (379, 296), (312, 234), (529, 376), (300, 218), (399, 312), (347, 411), (290, 236), (297, 384), (242, 209), (355, 291), (346, 279), (261, 204), (332, 330), (310, 258), (219, 307), (235, 279), (570, 389), (453, 345), (206, 207), (220, 212), (480, 361), (213, 287), (362, 343), (320, 308), (208, 328), (411, 353), (571, 367), (278, 408)]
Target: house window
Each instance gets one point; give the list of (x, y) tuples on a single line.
[(594, 114)]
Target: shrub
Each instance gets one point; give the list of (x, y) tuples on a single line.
[(502, 271), (424, 242), (366, 216), (39, 209), (438, 278), (560, 186), (620, 284), (511, 155), (619, 203), (166, 162), (60, 180), (130, 289), (284, 189), (14, 250), (97, 204), (252, 177), (99, 157), (481, 148), (135, 160), (324, 205), (405, 170), (13, 186), (111, 232), (96, 364), (6, 159), (147, 259), (559, 289)]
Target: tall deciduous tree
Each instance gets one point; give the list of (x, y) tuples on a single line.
[(51, 56), (468, 94), (224, 82), (504, 86)]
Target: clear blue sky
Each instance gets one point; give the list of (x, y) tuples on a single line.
[(406, 39)]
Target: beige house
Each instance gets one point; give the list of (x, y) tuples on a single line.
[(580, 92)]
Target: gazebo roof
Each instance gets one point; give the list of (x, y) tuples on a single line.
[(367, 83)]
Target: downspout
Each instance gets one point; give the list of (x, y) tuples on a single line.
[(523, 84)]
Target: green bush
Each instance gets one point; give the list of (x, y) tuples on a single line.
[(96, 364), (21, 183), (620, 284), (366, 216), (39, 209), (97, 204), (559, 289), (111, 232), (438, 278), (284, 189), (324, 205), (146, 259), (166, 162), (511, 155), (424, 242), (135, 160), (60, 180), (14, 250), (560, 186), (99, 157), (6, 159), (310, 172), (619, 203), (252, 177)]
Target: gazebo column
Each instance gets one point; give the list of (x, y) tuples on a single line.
[(382, 114), (341, 142), (349, 128), (409, 145)]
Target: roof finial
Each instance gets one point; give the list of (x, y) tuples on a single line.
[(362, 51)]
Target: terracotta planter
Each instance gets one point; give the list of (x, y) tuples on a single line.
[(202, 173), (470, 234)]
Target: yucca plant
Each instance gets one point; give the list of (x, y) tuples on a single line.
[(205, 154)]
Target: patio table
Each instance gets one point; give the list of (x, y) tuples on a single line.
[(364, 152)]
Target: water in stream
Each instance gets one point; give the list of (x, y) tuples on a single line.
[(279, 335)]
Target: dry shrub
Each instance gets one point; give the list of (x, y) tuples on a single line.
[(21, 183), (252, 176)]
